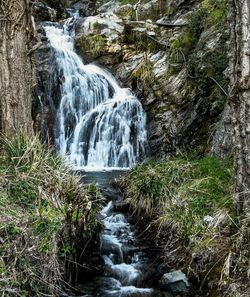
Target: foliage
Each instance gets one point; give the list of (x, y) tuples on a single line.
[(202, 49), (189, 202), (140, 41), (124, 2), (38, 196)]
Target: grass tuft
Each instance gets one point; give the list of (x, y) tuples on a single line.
[(39, 233)]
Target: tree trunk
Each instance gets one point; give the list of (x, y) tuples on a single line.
[(240, 97), (16, 67)]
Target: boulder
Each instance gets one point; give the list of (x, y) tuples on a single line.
[(175, 281)]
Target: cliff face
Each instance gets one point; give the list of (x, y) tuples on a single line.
[(172, 54)]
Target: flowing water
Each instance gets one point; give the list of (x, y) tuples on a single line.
[(127, 266), (99, 124)]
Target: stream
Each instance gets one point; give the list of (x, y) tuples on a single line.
[(127, 266), (101, 129)]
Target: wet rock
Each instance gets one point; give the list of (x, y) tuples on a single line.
[(110, 244), (82, 7), (47, 91), (42, 12), (175, 281), (112, 193), (121, 206)]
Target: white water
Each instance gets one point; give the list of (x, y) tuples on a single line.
[(99, 124), (125, 274)]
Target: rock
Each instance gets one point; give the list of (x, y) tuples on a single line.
[(111, 193), (175, 281), (208, 219), (110, 6), (47, 91), (222, 135), (121, 206), (42, 12), (106, 24), (82, 7)]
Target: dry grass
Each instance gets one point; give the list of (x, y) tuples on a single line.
[(43, 208)]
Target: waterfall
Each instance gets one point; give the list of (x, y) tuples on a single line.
[(99, 125)]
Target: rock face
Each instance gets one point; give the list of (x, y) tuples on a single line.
[(172, 77), (47, 92), (177, 73)]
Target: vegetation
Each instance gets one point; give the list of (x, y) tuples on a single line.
[(44, 211), (181, 190), (92, 45), (143, 74), (209, 15), (189, 202)]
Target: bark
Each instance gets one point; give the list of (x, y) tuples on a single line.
[(239, 97), (16, 67)]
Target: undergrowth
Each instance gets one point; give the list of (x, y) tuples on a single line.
[(92, 44), (181, 190), (43, 210), (189, 204), (143, 75)]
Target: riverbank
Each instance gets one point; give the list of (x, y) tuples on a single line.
[(49, 222), (185, 206), (182, 209)]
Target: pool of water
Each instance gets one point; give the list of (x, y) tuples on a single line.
[(101, 178)]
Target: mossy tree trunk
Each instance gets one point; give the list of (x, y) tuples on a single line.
[(240, 97), (16, 67)]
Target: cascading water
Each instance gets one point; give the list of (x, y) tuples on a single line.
[(102, 126), (128, 269), (99, 124)]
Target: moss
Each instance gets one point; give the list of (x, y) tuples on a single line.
[(124, 2)]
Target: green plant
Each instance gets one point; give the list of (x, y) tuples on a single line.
[(181, 190), (38, 197), (144, 74), (91, 44)]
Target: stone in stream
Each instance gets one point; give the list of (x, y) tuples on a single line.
[(121, 206), (175, 281)]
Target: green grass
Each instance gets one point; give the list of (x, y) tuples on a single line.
[(44, 212), (144, 74), (181, 191), (171, 198)]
